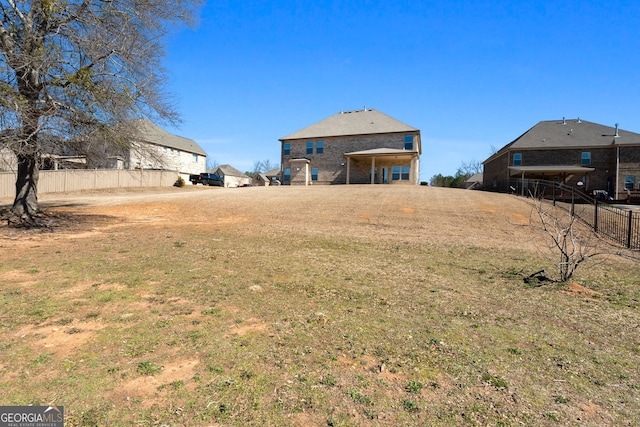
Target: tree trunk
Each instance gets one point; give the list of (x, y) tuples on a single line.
[(25, 204)]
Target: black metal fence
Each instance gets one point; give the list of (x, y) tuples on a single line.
[(616, 221)]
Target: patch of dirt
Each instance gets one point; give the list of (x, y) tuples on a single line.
[(248, 326), (59, 340), (575, 288), (146, 389)]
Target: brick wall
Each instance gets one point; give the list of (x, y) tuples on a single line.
[(603, 160)]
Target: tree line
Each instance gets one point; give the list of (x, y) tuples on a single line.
[(464, 172)]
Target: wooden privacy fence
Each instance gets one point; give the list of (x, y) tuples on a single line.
[(67, 180)]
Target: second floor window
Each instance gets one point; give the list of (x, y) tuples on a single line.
[(408, 142), (310, 147), (586, 158), (319, 147), (517, 159), (286, 149)]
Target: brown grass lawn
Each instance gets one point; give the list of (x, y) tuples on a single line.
[(319, 306)]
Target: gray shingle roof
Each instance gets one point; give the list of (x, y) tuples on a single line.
[(571, 133), (360, 122), (228, 170), (154, 134)]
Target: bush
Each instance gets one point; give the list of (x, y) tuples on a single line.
[(179, 182)]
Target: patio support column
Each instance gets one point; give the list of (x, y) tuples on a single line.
[(348, 169), (373, 170), (414, 171)]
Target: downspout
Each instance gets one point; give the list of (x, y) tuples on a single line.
[(617, 170)]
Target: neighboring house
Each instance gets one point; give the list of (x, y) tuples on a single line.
[(153, 148), (353, 147), (573, 152), (231, 176), (473, 181), (159, 149), (270, 177)]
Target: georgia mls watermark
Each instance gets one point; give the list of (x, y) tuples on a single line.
[(31, 416)]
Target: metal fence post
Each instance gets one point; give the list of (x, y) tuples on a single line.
[(595, 215), (629, 230)]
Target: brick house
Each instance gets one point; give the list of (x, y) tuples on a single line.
[(353, 147), (573, 152)]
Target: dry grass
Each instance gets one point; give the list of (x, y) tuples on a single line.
[(349, 305)]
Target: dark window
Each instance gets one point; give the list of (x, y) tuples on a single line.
[(287, 174), (309, 147), (400, 173), (395, 173), (319, 147), (405, 173), (286, 149), (408, 142), (629, 182), (517, 159), (586, 158), (314, 174)]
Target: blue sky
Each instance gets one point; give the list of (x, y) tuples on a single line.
[(471, 75)]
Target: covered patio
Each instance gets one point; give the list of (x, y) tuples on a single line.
[(385, 165), (561, 173)]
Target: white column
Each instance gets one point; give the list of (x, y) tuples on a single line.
[(348, 168), (306, 174)]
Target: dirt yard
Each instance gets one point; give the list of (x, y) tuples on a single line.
[(408, 213)]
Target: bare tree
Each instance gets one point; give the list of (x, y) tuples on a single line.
[(262, 166), (79, 67), (212, 164), (570, 243), (469, 169)]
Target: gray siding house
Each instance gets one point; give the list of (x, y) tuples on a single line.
[(573, 152), (352, 147)]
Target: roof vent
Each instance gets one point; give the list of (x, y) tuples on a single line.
[(579, 121), (564, 122), (617, 130), (365, 108)]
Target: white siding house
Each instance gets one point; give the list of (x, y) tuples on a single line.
[(159, 149)]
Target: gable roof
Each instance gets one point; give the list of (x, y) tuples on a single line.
[(272, 172), (154, 134), (228, 170), (571, 134), (359, 122)]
